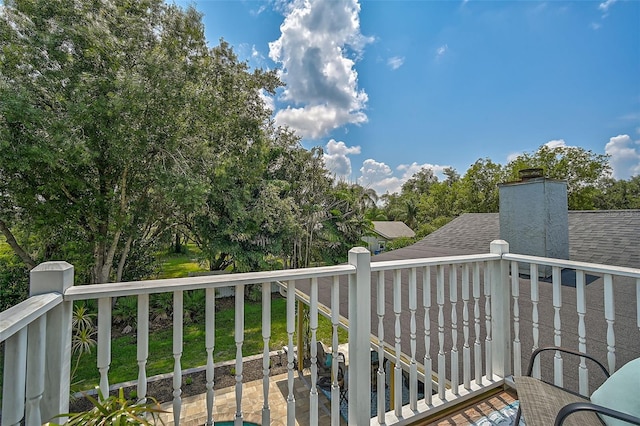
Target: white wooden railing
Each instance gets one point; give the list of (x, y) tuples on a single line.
[(462, 337)]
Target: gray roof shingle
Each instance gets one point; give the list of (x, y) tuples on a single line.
[(392, 229), (598, 236)]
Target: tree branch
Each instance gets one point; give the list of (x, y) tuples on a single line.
[(11, 240)]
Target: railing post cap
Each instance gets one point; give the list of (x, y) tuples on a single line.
[(56, 265), (47, 277), (499, 247), (359, 250)]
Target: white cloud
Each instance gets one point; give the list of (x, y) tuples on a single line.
[(513, 156), (380, 177), (319, 44), (440, 51), (625, 156), (595, 26), (395, 62), (411, 169), (336, 158), (556, 143), (267, 99), (605, 5)]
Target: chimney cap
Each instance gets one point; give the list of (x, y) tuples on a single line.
[(532, 173)]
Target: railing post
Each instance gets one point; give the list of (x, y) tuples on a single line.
[(500, 311), (55, 277), (359, 380)]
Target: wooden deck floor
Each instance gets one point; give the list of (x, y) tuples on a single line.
[(475, 411), (194, 408)]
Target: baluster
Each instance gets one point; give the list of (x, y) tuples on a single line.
[(610, 316), (381, 374), (638, 302), (178, 312), (413, 366), (535, 298), (335, 321), (477, 344), (35, 370), (441, 358), (104, 343), (397, 309), (291, 327), (487, 317), (515, 292), (557, 325), (466, 350), (142, 345), (15, 366), (581, 305), (266, 336), (426, 302), (453, 298), (239, 338), (210, 341), (313, 326)]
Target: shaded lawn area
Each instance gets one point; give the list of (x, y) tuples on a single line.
[(124, 366)]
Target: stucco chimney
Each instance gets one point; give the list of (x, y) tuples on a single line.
[(534, 217)]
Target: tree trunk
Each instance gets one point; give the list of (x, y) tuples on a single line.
[(178, 244), (16, 247), (123, 259)]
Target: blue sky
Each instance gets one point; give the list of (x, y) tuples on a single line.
[(388, 87)]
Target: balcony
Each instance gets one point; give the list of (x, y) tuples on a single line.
[(458, 327)]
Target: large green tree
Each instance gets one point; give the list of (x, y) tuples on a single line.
[(108, 109), (584, 171)]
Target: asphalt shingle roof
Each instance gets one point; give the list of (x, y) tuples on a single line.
[(610, 237), (392, 229)]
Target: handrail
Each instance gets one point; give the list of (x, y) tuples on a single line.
[(19, 316), (95, 291), (432, 261), (583, 266)]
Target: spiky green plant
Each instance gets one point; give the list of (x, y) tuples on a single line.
[(116, 411), (82, 340)]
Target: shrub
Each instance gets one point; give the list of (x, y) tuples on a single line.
[(194, 305), (126, 311)]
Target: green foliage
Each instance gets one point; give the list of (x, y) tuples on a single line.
[(584, 171), (619, 194), (425, 203), (161, 306), (116, 411), (400, 242), (194, 305), (83, 335), (14, 279), (125, 311)]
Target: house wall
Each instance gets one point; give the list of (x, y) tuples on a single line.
[(375, 244)]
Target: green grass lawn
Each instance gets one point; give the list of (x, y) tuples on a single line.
[(124, 366), (123, 350), (179, 265)]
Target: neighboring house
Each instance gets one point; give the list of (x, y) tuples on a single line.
[(386, 231)]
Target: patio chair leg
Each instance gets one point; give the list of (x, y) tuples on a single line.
[(518, 414)]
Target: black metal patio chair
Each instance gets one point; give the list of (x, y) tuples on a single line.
[(543, 404)]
